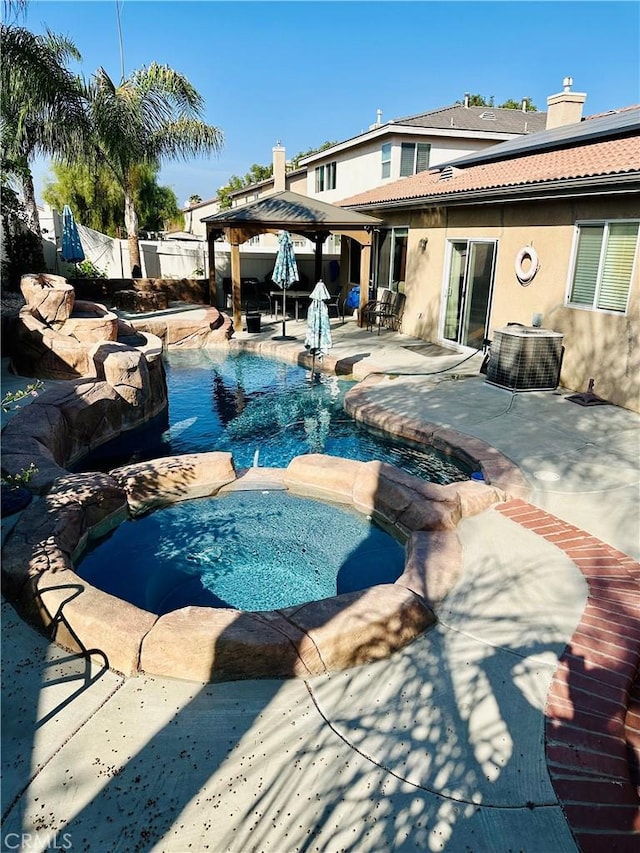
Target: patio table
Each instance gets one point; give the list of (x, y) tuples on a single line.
[(296, 295)]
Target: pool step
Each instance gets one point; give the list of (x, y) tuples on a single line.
[(257, 479)]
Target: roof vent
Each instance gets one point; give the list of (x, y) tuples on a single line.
[(449, 172), (488, 116), (378, 122)]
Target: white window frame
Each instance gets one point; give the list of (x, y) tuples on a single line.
[(605, 223), (331, 171), (385, 161), (394, 233), (414, 166), (325, 177)]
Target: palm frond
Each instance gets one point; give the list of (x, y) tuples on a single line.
[(186, 138), (43, 107), (161, 82), (32, 66), (61, 47)]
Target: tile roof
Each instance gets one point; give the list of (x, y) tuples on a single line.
[(613, 123), (599, 158), (613, 112), (477, 119), (451, 121)]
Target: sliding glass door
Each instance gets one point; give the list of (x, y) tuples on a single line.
[(469, 290)]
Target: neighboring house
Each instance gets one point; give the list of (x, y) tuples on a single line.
[(194, 213), (282, 179), (406, 146), (379, 155), (568, 199)]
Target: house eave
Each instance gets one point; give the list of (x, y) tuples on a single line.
[(406, 130)]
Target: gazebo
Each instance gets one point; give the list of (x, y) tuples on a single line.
[(299, 214)]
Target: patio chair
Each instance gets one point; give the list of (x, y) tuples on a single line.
[(385, 312), (336, 303)]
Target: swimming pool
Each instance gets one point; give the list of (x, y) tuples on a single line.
[(265, 412), (254, 550)]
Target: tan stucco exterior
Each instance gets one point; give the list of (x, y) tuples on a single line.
[(599, 345)]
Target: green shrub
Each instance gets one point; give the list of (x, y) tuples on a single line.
[(87, 269), (22, 248)]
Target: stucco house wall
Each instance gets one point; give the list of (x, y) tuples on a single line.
[(193, 215), (359, 167), (601, 345)]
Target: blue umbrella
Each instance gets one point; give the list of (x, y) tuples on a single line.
[(285, 271), (318, 337), (71, 250)]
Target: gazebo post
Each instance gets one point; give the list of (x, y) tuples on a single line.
[(365, 269), (211, 244), (235, 281), (344, 264)]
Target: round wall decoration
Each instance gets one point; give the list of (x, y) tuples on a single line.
[(525, 276)]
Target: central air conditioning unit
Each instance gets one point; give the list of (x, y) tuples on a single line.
[(525, 358)]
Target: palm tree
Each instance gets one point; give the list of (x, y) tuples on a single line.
[(152, 116), (42, 108)]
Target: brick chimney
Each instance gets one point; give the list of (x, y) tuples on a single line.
[(566, 106), (279, 167)]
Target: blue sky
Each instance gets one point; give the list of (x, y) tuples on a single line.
[(307, 72)]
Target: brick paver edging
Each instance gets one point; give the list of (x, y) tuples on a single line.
[(593, 706)]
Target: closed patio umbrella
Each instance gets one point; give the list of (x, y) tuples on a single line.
[(71, 250), (285, 273), (318, 337)]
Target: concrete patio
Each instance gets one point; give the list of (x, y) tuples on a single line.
[(471, 738)]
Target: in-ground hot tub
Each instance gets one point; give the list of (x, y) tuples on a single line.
[(220, 643), (249, 549)]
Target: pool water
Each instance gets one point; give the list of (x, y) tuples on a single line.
[(246, 550), (265, 412)]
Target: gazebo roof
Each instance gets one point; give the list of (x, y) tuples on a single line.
[(291, 212)]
